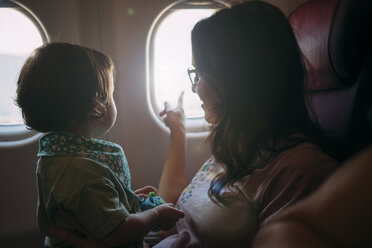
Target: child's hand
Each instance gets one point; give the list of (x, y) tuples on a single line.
[(174, 118), (144, 192), (168, 216)]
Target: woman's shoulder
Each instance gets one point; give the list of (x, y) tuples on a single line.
[(290, 176), (306, 150), (305, 157)]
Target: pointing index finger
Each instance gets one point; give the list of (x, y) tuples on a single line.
[(166, 106), (180, 100)]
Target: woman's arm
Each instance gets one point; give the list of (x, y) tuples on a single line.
[(173, 178), (338, 214)]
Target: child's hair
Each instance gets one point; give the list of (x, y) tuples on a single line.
[(62, 85)]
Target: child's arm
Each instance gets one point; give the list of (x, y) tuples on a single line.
[(173, 178), (136, 226), (129, 231)]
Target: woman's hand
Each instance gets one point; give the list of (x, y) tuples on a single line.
[(144, 192), (174, 118)]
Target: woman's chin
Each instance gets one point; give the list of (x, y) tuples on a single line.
[(209, 115), (209, 119), (206, 115)]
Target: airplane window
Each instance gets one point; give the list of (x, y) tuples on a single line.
[(21, 32), (169, 56)]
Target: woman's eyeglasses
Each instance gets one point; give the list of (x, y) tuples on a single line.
[(194, 78)]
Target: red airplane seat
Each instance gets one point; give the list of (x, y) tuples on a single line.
[(335, 39)]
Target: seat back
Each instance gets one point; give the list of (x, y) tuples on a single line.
[(335, 39)]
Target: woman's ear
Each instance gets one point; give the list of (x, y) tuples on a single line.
[(99, 109)]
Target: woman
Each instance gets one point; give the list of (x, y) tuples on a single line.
[(250, 77), (248, 72)]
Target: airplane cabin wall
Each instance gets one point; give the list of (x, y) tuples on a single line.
[(103, 25)]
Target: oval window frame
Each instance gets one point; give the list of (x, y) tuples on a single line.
[(194, 126), (19, 134)]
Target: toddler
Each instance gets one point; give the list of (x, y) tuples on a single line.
[(66, 92)]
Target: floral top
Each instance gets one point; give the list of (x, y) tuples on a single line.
[(252, 201)]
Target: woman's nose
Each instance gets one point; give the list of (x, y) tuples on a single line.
[(193, 88)]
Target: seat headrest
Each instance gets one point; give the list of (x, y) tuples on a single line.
[(332, 37)]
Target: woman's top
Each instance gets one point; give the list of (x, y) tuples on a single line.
[(252, 201), (88, 178)]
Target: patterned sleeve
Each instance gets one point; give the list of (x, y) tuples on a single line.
[(295, 177), (91, 198)]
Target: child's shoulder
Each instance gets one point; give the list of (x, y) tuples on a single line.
[(67, 167), (75, 162)]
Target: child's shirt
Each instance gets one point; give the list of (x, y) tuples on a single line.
[(88, 178)]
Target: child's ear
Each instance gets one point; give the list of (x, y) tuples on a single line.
[(99, 109)]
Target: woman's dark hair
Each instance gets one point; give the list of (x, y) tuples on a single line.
[(60, 84), (252, 53)]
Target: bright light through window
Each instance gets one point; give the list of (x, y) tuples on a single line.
[(18, 38), (172, 57)]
